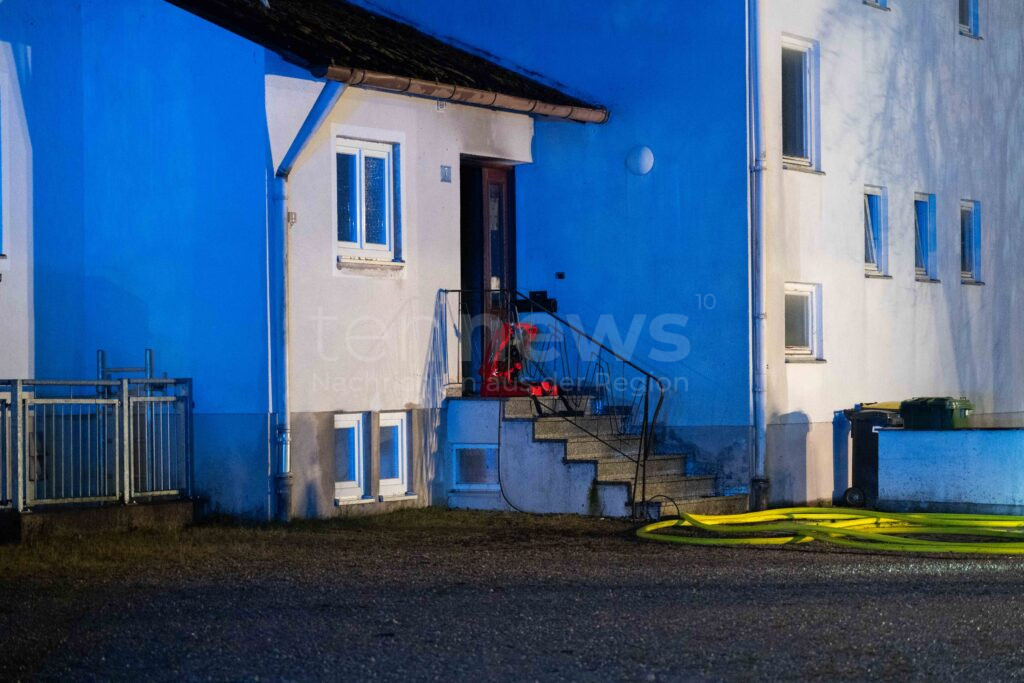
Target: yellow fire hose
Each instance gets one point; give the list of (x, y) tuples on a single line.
[(852, 528)]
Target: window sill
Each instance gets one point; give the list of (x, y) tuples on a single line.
[(877, 276), (977, 283), (395, 498), (788, 166), (966, 33), (805, 361), (925, 278), (877, 6), (4, 262), (341, 502), (343, 262)]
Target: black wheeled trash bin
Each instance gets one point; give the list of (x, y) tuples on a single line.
[(864, 420)]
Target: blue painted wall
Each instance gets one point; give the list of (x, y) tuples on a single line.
[(672, 73), (151, 162), (150, 156)]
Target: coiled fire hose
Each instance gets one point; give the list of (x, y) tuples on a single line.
[(848, 527)]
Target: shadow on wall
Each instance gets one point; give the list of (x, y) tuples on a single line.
[(436, 374), (719, 450), (788, 473), (841, 474), (965, 133)]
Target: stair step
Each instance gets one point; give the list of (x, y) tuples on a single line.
[(677, 488), (557, 428), (595, 449), (524, 408), (621, 468), (709, 505)]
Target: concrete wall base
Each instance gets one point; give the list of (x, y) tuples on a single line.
[(959, 508), (37, 524)]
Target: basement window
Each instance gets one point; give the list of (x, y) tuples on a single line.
[(876, 237), (799, 102), (475, 467), (970, 241), (394, 454), (349, 470), (803, 322), (367, 215)]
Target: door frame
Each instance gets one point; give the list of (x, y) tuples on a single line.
[(483, 165)]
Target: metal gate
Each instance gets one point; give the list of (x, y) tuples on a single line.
[(91, 442)]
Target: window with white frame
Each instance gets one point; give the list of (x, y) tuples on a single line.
[(475, 467), (4, 77), (394, 454), (799, 102), (349, 466), (876, 231), (970, 241), (367, 215), (968, 17), (924, 237), (803, 321)]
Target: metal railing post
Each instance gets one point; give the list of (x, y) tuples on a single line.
[(645, 446), (126, 451), (18, 446), (190, 443)]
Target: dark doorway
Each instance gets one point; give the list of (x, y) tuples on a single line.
[(488, 256), (488, 227)]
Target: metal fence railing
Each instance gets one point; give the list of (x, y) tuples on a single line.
[(96, 441)]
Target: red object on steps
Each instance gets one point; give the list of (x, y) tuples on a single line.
[(503, 364)]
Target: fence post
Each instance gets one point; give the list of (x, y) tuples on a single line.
[(190, 442), (18, 446), (126, 450)]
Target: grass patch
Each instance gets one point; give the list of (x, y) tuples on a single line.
[(234, 544)]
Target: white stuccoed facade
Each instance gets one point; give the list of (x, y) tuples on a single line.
[(359, 337), (907, 103), (16, 301)]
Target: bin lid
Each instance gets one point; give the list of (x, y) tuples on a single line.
[(892, 406)]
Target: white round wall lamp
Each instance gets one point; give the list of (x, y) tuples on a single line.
[(640, 160)]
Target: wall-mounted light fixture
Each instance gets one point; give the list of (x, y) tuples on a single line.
[(640, 160)]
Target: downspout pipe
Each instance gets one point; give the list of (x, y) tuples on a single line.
[(319, 112), (759, 369)]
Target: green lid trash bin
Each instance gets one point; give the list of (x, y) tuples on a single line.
[(865, 419), (935, 412)]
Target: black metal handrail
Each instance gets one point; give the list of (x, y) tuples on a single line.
[(596, 373)]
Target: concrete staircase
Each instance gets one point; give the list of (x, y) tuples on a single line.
[(590, 437)]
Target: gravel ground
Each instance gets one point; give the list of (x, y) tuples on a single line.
[(458, 596)]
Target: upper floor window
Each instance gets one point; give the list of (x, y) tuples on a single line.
[(970, 241), (3, 137), (924, 236), (803, 321), (876, 238), (367, 212), (799, 102), (968, 12)]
